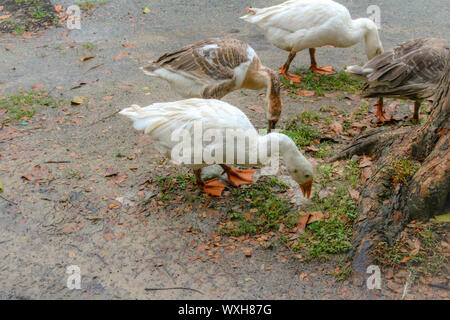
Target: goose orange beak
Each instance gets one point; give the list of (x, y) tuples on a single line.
[(306, 188)]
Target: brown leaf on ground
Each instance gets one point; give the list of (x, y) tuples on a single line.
[(354, 193), (365, 161), (366, 173), (121, 56), (306, 93), (301, 226), (109, 236), (58, 8), (72, 227), (405, 259), (315, 216), (312, 148), (247, 252), (38, 173), (86, 58), (111, 172), (38, 86), (77, 101), (337, 128), (256, 109), (129, 45)]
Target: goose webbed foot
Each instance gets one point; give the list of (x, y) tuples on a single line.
[(295, 78), (211, 187), (238, 177), (380, 112), (322, 70)]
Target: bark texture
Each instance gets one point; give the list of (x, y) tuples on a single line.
[(387, 205)]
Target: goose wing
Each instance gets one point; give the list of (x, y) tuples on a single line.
[(411, 70), (208, 59)]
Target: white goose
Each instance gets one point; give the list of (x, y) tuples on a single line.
[(212, 68), (300, 24), (163, 120)]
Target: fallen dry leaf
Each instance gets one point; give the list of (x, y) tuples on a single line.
[(77, 101), (121, 56), (366, 173), (129, 45), (109, 236), (86, 58), (256, 109), (306, 93), (337, 128), (247, 252), (405, 259), (354, 193), (315, 216)]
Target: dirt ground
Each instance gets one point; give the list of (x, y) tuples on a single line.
[(84, 212)]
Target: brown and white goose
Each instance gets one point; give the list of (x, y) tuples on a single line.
[(212, 68), (411, 70)]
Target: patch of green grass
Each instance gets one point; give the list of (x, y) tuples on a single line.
[(20, 29), (261, 208), (332, 236), (304, 131), (362, 111), (402, 170), (428, 258), (310, 81), (74, 174), (343, 270), (168, 185), (38, 12), (25, 103), (88, 45), (301, 131)]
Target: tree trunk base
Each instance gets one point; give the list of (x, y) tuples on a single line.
[(410, 180)]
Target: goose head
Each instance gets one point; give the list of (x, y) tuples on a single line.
[(372, 40), (299, 168)]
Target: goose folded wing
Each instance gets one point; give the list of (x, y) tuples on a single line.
[(212, 58)]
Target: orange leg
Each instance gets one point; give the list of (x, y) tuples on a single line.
[(238, 177), (285, 69), (212, 187), (314, 68), (380, 112)]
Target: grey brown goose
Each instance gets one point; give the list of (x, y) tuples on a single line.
[(411, 70)]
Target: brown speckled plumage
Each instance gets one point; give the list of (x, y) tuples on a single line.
[(217, 63), (411, 70)]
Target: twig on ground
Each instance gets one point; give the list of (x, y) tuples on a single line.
[(103, 119), (7, 200), (173, 288), (57, 161)]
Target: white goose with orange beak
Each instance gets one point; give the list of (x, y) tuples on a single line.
[(161, 120)]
